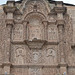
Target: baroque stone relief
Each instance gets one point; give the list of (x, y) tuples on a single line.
[(50, 56), (17, 34), (18, 54), (52, 33), (35, 6), (35, 29), (35, 71), (34, 56), (50, 71)]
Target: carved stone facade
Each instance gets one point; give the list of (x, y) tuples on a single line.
[(37, 37)]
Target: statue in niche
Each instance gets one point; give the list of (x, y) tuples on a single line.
[(34, 71), (20, 56), (50, 55)]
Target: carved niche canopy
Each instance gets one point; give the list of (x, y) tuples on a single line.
[(35, 30)]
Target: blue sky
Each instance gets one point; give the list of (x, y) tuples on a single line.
[(66, 1)]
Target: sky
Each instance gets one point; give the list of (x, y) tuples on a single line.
[(65, 1)]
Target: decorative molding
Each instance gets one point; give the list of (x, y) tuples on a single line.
[(35, 43), (60, 9), (9, 9)]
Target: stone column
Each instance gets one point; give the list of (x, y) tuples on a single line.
[(9, 10), (60, 10), (25, 30)]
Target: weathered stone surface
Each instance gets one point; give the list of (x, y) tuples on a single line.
[(37, 38)]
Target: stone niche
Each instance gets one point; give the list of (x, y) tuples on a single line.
[(35, 29), (52, 33), (17, 33), (50, 55), (18, 54)]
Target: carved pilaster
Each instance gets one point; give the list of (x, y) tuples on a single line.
[(9, 10), (25, 29), (60, 11), (45, 30)]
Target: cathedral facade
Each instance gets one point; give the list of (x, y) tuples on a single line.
[(37, 37)]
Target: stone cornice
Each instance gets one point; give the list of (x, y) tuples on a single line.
[(60, 9), (9, 9), (35, 43)]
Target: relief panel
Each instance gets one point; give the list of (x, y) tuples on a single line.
[(50, 55), (35, 29), (34, 56), (50, 71), (18, 54), (17, 32), (19, 71), (52, 33), (35, 71), (71, 71)]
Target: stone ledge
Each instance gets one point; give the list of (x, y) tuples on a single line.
[(9, 9), (35, 43), (35, 65), (63, 64), (60, 9), (6, 64), (17, 42)]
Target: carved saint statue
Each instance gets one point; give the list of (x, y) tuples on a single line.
[(35, 57), (20, 56), (50, 55)]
